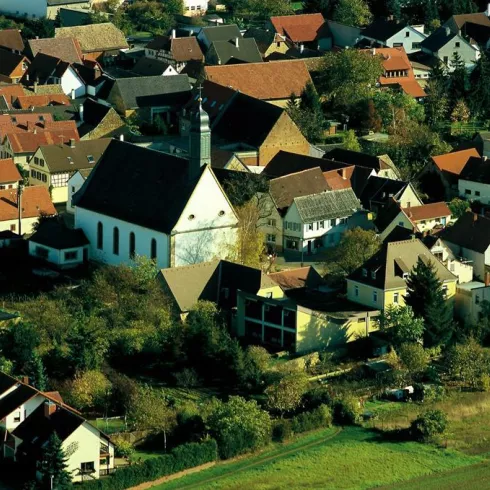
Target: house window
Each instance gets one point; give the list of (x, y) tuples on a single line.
[(310, 226), (153, 252), (396, 297), (397, 45), (332, 222), (364, 272), (468, 192), (100, 236), (73, 189), (415, 45), (477, 193), (272, 222), (407, 34), (13, 227), (457, 44), (87, 467), (73, 255), (132, 245), (321, 224), (444, 290), (446, 59), (356, 291), (375, 296), (41, 252), (115, 241), (271, 238), (17, 417)]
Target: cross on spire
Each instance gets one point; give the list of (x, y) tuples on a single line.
[(200, 93)]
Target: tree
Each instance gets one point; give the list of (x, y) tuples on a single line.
[(479, 97), (150, 16), (356, 246), (428, 425), (239, 426), (19, 342), (437, 102), (285, 395), (414, 358), (53, 466), (458, 207), (89, 390), (351, 142), (352, 13), (395, 108), (323, 7), (36, 372), (426, 296), (150, 410), (400, 323), (458, 80), (256, 363), (460, 113), (373, 121)]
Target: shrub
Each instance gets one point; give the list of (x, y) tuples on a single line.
[(281, 430), (484, 382), (346, 410), (123, 448), (316, 397), (306, 421), (428, 425), (187, 378)]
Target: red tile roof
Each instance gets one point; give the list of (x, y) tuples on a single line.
[(454, 162), (427, 211), (20, 123), (265, 81), (35, 200), (30, 142), (299, 28), (28, 101), (8, 171), (339, 178), (10, 92), (297, 278)]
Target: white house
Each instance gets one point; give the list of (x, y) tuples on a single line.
[(195, 7), (391, 34), (469, 299), (319, 220), (35, 9), (75, 183), (474, 180), (139, 201)]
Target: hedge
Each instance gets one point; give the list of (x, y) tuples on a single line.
[(315, 419), (179, 459)]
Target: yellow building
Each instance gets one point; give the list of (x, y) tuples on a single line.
[(382, 280)]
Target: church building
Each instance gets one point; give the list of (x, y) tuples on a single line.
[(144, 202)]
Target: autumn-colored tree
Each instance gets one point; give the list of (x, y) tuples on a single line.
[(461, 112), (353, 13), (373, 120), (286, 394)]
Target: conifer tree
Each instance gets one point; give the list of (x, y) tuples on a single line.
[(426, 296), (36, 372), (53, 465)]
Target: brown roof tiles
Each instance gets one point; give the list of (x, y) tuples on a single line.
[(454, 162), (8, 171), (35, 200), (299, 28), (427, 211)]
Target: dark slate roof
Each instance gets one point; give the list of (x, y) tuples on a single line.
[(154, 91), (327, 205), (138, 185), (11, 39), (246, 120), (380, 190), (70, 17), (221, 33), (247, 51), (44, 66), (54, 234), (150, 67), (94, 112), (439, 38), (353, 158), (15, 399), (476, 170), (9, 61), (65, 2), (6, 382), (471, 231), (382, 29), (387, 214)]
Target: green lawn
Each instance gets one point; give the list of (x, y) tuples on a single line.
[(110, 426), (355, 458)]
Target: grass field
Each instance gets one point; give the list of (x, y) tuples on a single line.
[(353, 458)]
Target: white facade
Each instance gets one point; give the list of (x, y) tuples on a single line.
[(408, 38), (74, 185), (468, 300), (66, 258), (24, 8), (13, 225), (479, 260), (195, 7), (20, 413), (71, 84), (469, 54), (206, 229), (474, 191)]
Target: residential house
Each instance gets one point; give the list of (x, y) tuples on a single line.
[(9, 174), (8, 94), (101, 42), (299, 278), (382, 164), (30, 102), (53, 165), (217, 281), (439, 178), (208, 35), (99, 120), (71, 17), (59, 245), (147, 67), (444, 44), (11, 40), (34, 201), (468, 304), (423, 64), (474, 180), (233, 51), (382, 280), (393, 34), (318, 220), (308, 31), (12, 66), (343, 36), (195, 7), (36, 9), (469, 238), (176, 51), (124, 212), (48, 70), (150, 96), (273, 82), (475, 28), (482, 139), (268, 42), (66, 49), (75, 183)]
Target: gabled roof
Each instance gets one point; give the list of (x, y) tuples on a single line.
[(15, 399), (9, 171), (148, 67), (284, 189), (66, 48), (29, 142), (11, 39), (454, 162), (182, 48), (153, 91), (358, 158), (302, 277), (382, 29), (55, 234), (43, 67), (9, 62), (65, 158), (94, 111), (10, 92), (220, 33), (266, 81), (300, 28), (327, 205), (28, 101), (438, 39), (471, 231), (381, 190), (95, 37), (477, 169), (427, 211), (206, 281), (393, 260), (479, 18), (263, 37), (228, 52), (35, 200), (6, 382), (151, 194)]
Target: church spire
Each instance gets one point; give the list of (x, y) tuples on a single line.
[(199, 140)]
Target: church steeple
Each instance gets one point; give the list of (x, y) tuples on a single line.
[(199, 140)]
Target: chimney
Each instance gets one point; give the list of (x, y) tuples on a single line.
[(487, 278), (80, 113), (487, 12), (373, 51), (25, 379), (173, 34), (121, 137), (301, 48), (344, 173), (236, 42), (35, 86), (27, 77), (49, 408), (73, 94), (448, 31), (72, 143)]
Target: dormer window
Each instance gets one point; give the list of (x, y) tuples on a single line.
[(364, 272), (90, 159), (373, 274), (405, 275)]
